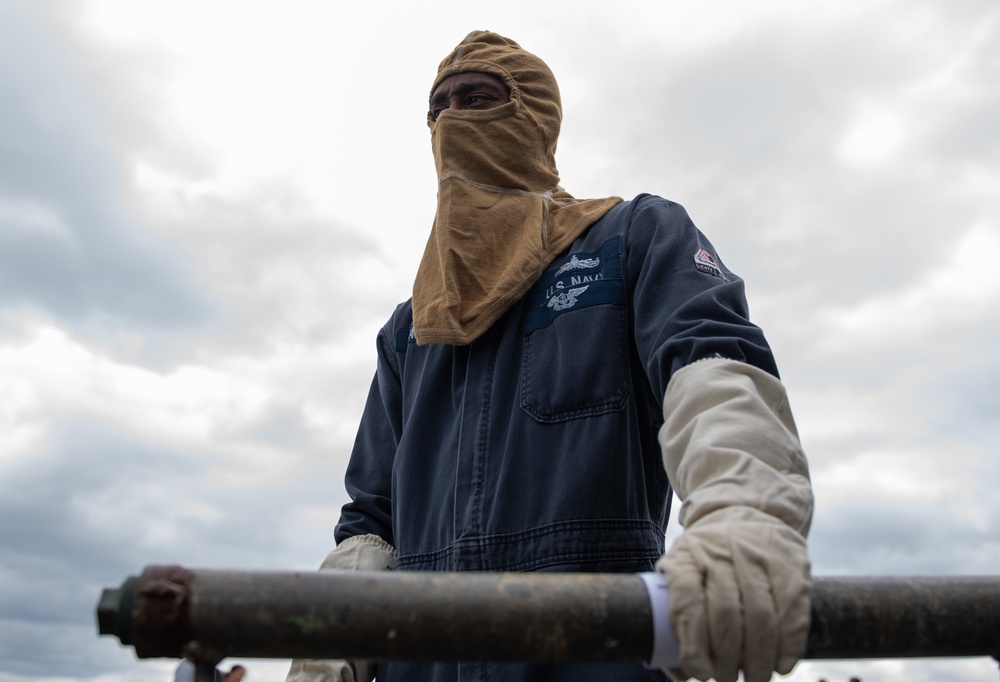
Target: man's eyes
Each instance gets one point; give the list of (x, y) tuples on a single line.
[(471, 101), (478, 98)]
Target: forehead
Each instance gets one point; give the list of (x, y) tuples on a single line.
[(465, 80)]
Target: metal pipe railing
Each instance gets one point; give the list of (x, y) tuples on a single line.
[(208, 615)]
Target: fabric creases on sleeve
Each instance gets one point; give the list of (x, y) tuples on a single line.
[(682, 312), (369, 473), (737, 420)]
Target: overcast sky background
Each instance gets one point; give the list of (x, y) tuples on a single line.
[(208, 209)]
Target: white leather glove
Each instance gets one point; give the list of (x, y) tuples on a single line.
[(739, 576), (358, 553)]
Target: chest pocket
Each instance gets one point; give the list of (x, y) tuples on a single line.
[(575, 353)]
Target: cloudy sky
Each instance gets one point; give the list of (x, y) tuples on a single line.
[(208, 209)]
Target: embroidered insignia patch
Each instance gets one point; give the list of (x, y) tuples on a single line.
[(566, 299), (574, 282), (575, 263), (705, 262)]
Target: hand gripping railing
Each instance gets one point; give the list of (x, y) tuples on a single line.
[(208, 615)]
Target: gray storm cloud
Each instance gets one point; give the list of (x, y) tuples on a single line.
[(68, 245)]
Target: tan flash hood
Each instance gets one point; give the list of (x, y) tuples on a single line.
[(502, 217)]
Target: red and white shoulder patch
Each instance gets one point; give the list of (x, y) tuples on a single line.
[(706, 262)]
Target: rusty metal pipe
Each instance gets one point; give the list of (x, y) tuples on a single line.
[(207, 615), (905, 617)]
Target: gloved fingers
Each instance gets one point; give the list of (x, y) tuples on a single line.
[(724, 604), (688, 617), (761, 627), (739, 584), (792, 598)]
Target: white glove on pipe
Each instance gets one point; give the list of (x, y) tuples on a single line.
[(358, 553), (739, 576)]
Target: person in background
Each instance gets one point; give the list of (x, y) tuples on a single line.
[(235, 674), (186, 672)]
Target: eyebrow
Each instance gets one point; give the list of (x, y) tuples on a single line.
[(466, 88)]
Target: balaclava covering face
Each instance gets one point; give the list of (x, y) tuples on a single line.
[(501, 216)]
